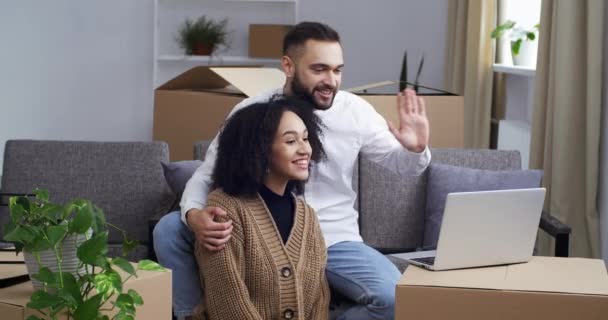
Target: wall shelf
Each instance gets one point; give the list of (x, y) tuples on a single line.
[(217, 59), (517, 70)]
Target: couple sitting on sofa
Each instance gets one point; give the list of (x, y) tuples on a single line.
[(260, 252)]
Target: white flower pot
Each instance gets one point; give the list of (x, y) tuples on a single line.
[(48, 259), (527, 54)]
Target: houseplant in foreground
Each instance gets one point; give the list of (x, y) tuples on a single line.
[(202, 36), (66, 253)]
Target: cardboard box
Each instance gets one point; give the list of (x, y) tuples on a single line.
[(154, 288), (445, 112), (192, 106), (266, 40), (544, 288)]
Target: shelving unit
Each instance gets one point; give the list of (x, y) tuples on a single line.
[(168, 62), (517, 70)]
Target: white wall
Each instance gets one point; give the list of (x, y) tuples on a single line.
[(375, 34), (78, 70)]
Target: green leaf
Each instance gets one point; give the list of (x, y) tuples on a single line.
[(500, 29), (108, 282), (33, 318), (82, 220), (56, 233), (515, 46), (45, 275), (42, 195), (16, 209), (24, 202), (531, 36), (42, 300), (71, 287), (123, 316), (89, 309), (137, 299), (128, 245), (21, 234), (125, 303), (103, 317), (99, 221), (124, 265), (89, 250), (150, 266), (51, 212)]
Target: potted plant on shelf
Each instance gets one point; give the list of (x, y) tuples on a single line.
[(523, 42), (65, 248), (203, 36)]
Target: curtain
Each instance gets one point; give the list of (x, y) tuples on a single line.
[(469, 64), (567, 116)]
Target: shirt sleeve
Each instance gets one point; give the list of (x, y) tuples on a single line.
[(379, 145), (227, 296)]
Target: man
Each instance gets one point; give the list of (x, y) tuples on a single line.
[(313, 65)]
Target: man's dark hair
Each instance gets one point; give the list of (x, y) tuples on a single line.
[(244, 150), (304, 31)]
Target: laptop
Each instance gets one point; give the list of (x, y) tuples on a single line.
[(486, 228)]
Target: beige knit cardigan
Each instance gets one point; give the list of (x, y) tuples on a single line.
[(256, 276)]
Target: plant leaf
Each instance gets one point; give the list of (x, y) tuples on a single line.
[(500, 29), (42, 300), (531, 36), (124, 265), (82, 220), (45, 275), (128, 245), (125, 303), (16, 209), (123, 316), (33, 318), (150, 266), (56, 234), (21, 234), (42, 195), (89, 309), (108, 282), (137, 299), (70, 286), (515, 46), (89, 250)]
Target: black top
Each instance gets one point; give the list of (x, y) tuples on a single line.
[(281, 208)]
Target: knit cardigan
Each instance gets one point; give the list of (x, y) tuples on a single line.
[(256, 276)]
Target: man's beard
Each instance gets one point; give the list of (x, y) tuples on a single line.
[(301, 92)]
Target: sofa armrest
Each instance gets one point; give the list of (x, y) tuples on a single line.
[(559, 231)]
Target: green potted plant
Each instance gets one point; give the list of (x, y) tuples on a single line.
[(202, 36), (65, 248), (523, 42)]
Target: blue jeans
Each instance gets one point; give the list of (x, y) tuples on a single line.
[(354, 269)]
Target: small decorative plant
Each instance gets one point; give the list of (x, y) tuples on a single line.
[(202, 36), (93, 288), (517, 35)]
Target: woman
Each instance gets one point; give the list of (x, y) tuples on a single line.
[(274, 264)]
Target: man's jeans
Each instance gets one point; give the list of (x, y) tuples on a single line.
[(353, 269)]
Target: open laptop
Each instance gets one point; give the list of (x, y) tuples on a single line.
[(486, 228)]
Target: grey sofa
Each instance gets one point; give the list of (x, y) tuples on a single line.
[(124, 179), (394, 221)]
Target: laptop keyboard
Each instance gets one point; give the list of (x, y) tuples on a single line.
[(426, 260)]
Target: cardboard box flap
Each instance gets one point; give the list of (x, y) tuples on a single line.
[(201, 77), (541, 274), (252, 81)]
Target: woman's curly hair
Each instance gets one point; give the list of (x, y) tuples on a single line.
[(245, 141)]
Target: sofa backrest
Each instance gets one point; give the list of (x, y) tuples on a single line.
[(392, 208), (124, 179)]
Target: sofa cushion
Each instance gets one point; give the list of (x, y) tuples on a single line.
[(177, 175), (444, 179), (124, 179)]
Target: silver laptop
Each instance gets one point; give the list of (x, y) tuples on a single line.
[(486, 228)]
